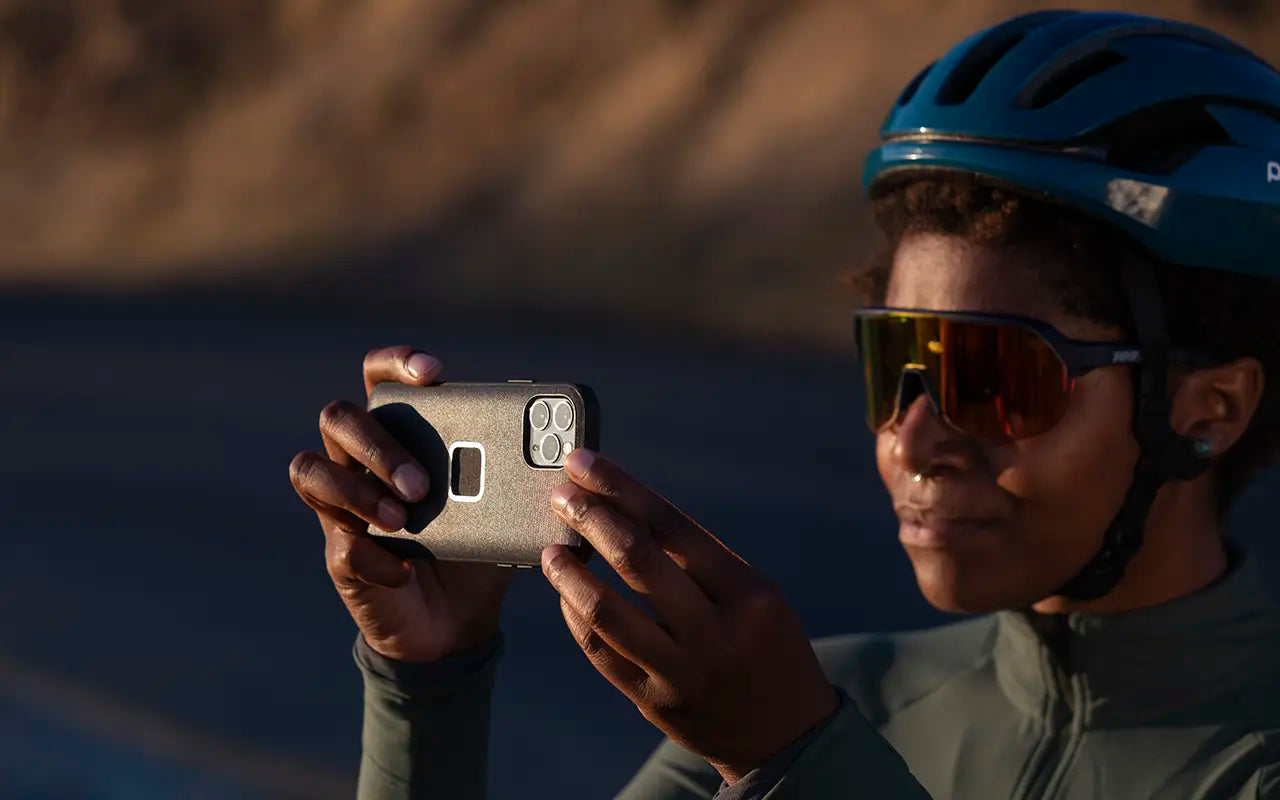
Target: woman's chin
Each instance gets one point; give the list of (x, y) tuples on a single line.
[(956, 584)]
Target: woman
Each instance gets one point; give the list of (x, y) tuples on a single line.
[(1067, 373)]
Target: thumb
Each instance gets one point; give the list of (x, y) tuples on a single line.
[(371, 564)]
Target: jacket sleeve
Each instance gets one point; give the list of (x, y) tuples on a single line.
[(426, 726), (672, 773), (846, 756)]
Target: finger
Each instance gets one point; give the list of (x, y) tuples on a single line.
[(352, 436), (324, 485), (627, 677), (719, 571), (639, 561), (402, 364), (620, 624), (354, 560)]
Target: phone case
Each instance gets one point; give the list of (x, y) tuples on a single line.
[(510, 521)]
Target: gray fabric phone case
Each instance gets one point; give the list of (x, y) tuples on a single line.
[(488, 501)]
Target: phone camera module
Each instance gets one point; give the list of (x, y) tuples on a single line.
[(539, 415), (550, 431), (563, 416), (550, 447)]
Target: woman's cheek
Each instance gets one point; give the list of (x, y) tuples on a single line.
[(1074, 477), (1099, 447)]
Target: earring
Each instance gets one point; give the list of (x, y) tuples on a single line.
[(1202, 447), (917, 478)]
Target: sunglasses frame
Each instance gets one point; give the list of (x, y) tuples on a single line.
[(1077, 356)]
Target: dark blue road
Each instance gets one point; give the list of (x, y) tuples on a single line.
[(166, 625)]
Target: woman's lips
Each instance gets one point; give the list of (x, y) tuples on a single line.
[(944, 534)]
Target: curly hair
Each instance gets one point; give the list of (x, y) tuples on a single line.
[(1224, 315)]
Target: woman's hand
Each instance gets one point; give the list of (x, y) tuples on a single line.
[(422, 610), (726, 669)]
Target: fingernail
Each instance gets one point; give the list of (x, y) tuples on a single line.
[(420, 364), (549, 555), (410, 482), (391, 515), (561, 494), (579, 462)]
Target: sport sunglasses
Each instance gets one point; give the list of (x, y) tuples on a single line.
[(990, 376)]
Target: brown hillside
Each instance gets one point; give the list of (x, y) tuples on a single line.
[(626, 148)]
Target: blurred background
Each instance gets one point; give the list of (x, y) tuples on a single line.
[(211, 209)]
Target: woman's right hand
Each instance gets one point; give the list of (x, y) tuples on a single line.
[(419, 610)]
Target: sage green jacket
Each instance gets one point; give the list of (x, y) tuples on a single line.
[(1180, 701)]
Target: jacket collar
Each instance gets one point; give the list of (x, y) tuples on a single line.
[(1141, 665)]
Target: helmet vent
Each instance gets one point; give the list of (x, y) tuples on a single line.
[(1050, 87), (1159, 139), (981, 58), (914, 86), (983, 55)]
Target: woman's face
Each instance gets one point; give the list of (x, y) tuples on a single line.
[(994, 525)]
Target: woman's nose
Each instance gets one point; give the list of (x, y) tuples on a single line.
[(926, 444)]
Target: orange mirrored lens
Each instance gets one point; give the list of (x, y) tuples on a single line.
[(989, 380)]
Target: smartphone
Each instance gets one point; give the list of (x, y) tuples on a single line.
[(493, 453)]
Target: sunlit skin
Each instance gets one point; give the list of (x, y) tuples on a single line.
[(995, 525)]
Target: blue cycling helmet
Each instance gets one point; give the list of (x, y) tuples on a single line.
[(1163, 129)]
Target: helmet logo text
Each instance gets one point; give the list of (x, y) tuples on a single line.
[(1273, 171)]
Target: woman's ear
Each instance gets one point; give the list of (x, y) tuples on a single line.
[(1215, 404)]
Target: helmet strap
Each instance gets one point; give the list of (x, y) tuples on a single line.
[(1163, 454)]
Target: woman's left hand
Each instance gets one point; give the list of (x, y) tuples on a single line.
[(726, 669)]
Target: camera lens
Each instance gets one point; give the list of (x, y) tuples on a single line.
[(563, 416), (550, 447), (539, 415)]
